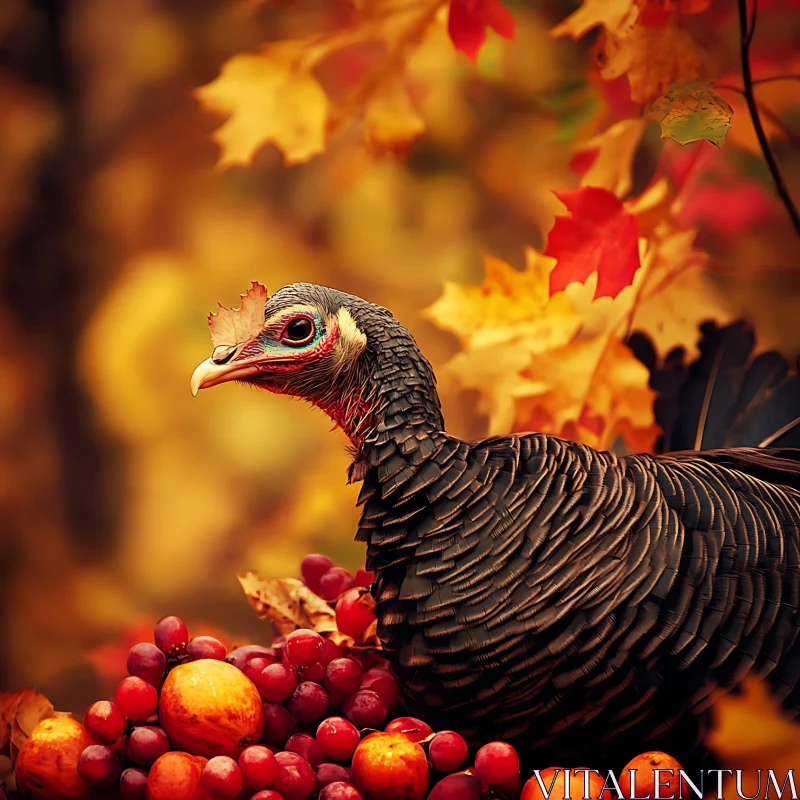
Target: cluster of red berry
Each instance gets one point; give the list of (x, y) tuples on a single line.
[(302, 718)]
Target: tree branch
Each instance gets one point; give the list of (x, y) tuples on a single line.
[(746, 33)]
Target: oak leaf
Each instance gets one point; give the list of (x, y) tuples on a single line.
[(692, 113), (230, 326), (468, 19), (269, 97), (601, 236), (654, 59)]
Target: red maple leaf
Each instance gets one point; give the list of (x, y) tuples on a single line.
[(601, 236), (468, 20)]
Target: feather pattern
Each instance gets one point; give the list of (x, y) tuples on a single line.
[(583, 605)]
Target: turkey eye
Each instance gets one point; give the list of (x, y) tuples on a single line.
[(298, 331)]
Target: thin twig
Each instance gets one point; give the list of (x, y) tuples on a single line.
[(747, 78), (774, 78), (794, 138)]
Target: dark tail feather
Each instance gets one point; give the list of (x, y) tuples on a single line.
[(725, 398)]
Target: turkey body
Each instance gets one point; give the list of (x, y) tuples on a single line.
[(581, 604), (584, 605)]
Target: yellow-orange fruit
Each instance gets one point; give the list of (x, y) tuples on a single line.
[(557, 776), (209, 708), (175, 776), (387, 766), (644, 784), (47, 764)]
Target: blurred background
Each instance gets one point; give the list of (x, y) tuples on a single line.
[(122, 498)]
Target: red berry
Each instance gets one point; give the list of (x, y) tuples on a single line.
[(267, 794), (352, 617), (258, 766), (240, 656), (136, 698), (171, 635), (366, 709), (304, 648), (279, 725), (308, 703), (205, 647), (330, 651), (340, 791), (447, 751), (458, 787), (384, 684), (496, 762), (146, 661), (307, 747), (99, 765), (104, 721), (338, 738), (256, 665), (312, 568), (415, 730), (363, 577), (133, 784), (343, 675), (147, 744), (316, 672), (335, 581), (276, 682), (221, 778), (295, 778), (330, 773)]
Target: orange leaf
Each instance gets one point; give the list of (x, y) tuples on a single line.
[(20, 713), (231, 326), (601, 236), (468, 19)]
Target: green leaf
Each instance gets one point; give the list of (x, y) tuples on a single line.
[(691, 113)]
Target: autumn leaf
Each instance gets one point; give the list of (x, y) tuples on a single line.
[(691, 113), (500, 324), (613, 151), (468, 19), (653, 59), (269, 97), (20, 713), (289, 604), (391, 121), (601, 236), (616, 16), (230, 326)]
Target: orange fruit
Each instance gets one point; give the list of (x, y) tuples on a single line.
[(557, 777), (388, 766), (47, 764), (645, 781), (209, 708), (175, 776)]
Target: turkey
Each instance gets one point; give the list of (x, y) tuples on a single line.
[(583, 605)]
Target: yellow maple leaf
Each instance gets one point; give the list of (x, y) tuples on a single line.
[(616, 16), (269, 97), (616, 147), (652, 58), (598, 390), (390, 119)]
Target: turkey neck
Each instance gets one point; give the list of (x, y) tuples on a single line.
[(401, 407)]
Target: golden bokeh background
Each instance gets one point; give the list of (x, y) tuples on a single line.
[(122, 498)]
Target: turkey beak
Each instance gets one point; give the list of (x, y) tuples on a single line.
[(210, 374)]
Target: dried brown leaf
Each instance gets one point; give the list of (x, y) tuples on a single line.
[(231, 326), (20, 713), (288, 604)]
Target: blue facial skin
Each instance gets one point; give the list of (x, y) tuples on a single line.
[(275, 347)]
